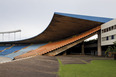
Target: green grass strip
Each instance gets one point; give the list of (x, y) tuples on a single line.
[(97, 68), (60, 62)]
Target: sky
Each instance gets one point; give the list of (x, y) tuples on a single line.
[(33, 16)]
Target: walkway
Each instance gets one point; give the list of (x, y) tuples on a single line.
[(39, 66)]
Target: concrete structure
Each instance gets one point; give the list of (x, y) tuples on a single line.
[(54, 48), (108, 33), (83, 51), (99, 44), (64, 32)]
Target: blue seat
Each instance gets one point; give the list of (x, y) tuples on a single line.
[(22, 51), (3, 47), (13, 49)]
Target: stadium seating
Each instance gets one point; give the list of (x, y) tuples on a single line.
[(3, 47), (55, 45), (36, 49), (25, 50), (12, 49)]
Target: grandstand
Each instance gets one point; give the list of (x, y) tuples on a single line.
[(56, 47), (64, 32)]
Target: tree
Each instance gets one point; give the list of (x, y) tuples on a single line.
[(108, 51), (111, 50)]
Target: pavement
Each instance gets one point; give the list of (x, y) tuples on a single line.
[(39, 66)]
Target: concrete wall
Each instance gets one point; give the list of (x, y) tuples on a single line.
[(108, 34)]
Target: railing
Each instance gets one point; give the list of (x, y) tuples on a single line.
[(8, 34)]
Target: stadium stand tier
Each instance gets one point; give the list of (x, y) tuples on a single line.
[(54, 47), (24, 50), (64, 31), (3, 48), (11, 50)]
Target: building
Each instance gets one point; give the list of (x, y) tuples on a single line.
[(108, 33)]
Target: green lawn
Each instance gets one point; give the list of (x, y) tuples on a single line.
[(97, 68)]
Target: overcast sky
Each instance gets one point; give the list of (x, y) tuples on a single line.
[(33, 16)]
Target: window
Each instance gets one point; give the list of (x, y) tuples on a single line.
[(102, 31), (105, 30), (114, 26), (112, 37), (107, 38), (109, 28)]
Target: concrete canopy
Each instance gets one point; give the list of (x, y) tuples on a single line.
[(64, 26)]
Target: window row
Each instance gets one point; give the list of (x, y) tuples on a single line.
[(109, 29), (109, 38)]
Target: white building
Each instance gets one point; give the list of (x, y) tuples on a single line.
[(108, 33)]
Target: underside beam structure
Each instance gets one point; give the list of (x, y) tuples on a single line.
[(54, 48), (58, 51)]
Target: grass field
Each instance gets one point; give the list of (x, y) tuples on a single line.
[(97, 68)]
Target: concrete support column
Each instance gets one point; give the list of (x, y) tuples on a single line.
[(83, 51), (99, 44)]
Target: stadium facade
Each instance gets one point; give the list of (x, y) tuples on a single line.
[(64, 32), (108, 33)]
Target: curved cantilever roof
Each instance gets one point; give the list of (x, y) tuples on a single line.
[(65, 25)]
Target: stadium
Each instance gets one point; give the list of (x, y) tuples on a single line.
[(64, 32)]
